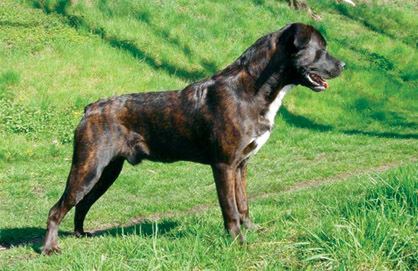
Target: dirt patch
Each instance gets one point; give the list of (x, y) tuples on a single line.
[(291, 189), (330, 180)]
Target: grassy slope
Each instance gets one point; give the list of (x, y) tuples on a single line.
[(52, 65)]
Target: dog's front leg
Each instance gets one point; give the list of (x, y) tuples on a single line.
[(225, 185), (241, 196)]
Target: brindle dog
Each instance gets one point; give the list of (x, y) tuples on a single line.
[(220, 121)]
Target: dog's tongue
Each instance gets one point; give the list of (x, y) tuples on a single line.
[(323, 82)]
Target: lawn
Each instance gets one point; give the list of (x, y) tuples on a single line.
[(334, 188)]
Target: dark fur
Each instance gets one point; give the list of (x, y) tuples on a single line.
[(213, 122)]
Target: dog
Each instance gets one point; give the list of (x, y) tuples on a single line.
[(221, 121)]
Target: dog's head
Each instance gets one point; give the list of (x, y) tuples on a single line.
[(310, 63)]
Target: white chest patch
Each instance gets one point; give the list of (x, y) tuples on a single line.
[(270, 115)]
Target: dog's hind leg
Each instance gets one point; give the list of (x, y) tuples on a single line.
[(109, 175), (85, 171)]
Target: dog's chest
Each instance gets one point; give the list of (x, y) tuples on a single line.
[(259, 141)]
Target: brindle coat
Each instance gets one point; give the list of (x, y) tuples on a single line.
[(219, 121)]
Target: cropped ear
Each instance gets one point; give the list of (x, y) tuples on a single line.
[(302, 36), (259, 55), (296, 36)]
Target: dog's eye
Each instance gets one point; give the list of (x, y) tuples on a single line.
[(319, 54)]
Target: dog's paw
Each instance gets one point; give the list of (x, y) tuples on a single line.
[(49, 250), (81, 234), (251, 226)]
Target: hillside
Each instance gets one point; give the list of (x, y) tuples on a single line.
[(361, 134)]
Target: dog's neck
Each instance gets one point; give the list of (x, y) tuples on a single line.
[(269, 82), (263, 68)]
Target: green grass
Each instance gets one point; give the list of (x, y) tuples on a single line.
[(58, 58), (373, 231)]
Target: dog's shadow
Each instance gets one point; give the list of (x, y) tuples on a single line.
[(33, 236)]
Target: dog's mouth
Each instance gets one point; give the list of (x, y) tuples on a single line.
[(316, 81)]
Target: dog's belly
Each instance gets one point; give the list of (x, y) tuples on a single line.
[(156, 148), (184, 151)]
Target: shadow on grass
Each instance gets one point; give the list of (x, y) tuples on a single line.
[(145, 18), (33, 236), (357, 17), (128, 45), (381, 134), (134, 51), (18, 24), (378, 62), (303, 122), (306, 123)]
